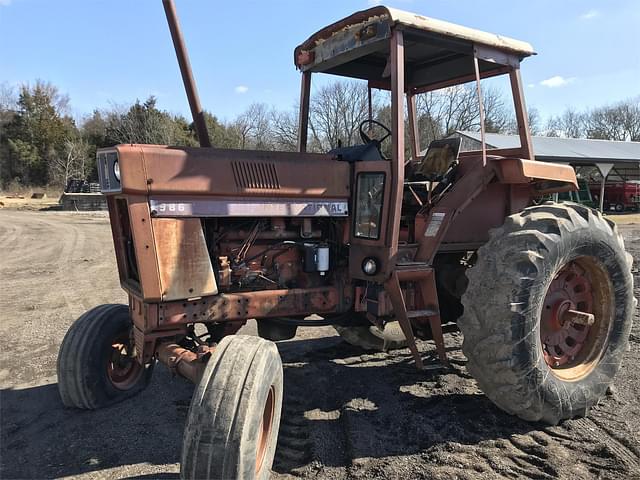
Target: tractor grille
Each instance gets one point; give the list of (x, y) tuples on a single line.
[(255, 175)]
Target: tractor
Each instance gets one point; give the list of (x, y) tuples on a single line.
[(387, 246)]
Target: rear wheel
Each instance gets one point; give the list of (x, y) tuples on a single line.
[(96, 363), (548, 311), (233, 422)]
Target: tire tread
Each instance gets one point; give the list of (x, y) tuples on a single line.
[(525, 239)]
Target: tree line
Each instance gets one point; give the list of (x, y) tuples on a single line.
[(41, 144)]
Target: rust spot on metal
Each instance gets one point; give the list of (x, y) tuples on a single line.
[(306, 57), (186, 363)]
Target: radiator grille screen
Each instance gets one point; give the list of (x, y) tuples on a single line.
[(255, 175)]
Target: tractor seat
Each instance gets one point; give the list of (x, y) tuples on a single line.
[(440, 158)]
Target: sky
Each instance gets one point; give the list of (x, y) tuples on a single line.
[(106, 52)]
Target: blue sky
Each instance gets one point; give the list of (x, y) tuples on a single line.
[(102, 52)]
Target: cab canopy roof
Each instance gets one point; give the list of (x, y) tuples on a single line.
[(436, 52)]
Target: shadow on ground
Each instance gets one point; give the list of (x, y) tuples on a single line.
[(378, 405), (42, 439), (357, 406)]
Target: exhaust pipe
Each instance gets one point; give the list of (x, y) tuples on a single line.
[(184, 362), (187, 75)]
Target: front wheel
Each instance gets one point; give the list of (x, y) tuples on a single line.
[(548, 311), (233, 422), (96, 363)]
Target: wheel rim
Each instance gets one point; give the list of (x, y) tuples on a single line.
[(576, 318), (264, 432), (123, 370)]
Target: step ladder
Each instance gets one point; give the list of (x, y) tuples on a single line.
[(423, 276)]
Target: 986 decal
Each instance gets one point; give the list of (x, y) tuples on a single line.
[(172, 208), (253, 208)]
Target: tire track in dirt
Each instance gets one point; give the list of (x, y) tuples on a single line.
[(603, 418), (368, 434), (592, 428), (32, 240), (311, 437), (531, 456), (294, 446), (9, 233), (65, 262), (57, 257), (51, 267)]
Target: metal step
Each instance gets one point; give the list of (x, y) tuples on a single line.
[(421, 313), (418, 266)]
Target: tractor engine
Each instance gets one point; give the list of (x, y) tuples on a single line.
[(250, 254)]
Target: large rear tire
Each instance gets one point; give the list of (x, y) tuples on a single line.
[(233, 422), (528, 354), (96, 363)]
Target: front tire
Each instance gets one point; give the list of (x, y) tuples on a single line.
[(233, 422), (525, 354), (96, 365)]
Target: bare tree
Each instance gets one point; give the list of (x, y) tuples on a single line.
[(498, 116), (442, 112), (72, 162), (336, 111), (284, 126), (570, 124), (8, 104), (242, 127), (453, 108), (620, 121), (8, 97), (428, 112), (533, 116), (253, 127)]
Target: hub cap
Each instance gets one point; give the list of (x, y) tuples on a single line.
[(563, 340), (576, 318), (123, 369)]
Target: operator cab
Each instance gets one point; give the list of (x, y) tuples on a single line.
[(407, 55), (435, 55)]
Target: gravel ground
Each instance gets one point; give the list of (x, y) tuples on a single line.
[(347, 414)]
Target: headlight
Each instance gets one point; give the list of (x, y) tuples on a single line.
[(370, 266), (116, 170)]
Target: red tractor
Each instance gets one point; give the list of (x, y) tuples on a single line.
[(376, 244)]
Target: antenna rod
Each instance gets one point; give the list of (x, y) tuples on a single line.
[(187, 75)]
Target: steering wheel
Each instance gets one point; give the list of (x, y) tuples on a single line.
[(366, 139)]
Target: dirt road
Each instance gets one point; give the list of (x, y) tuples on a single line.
[(347, 414)]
